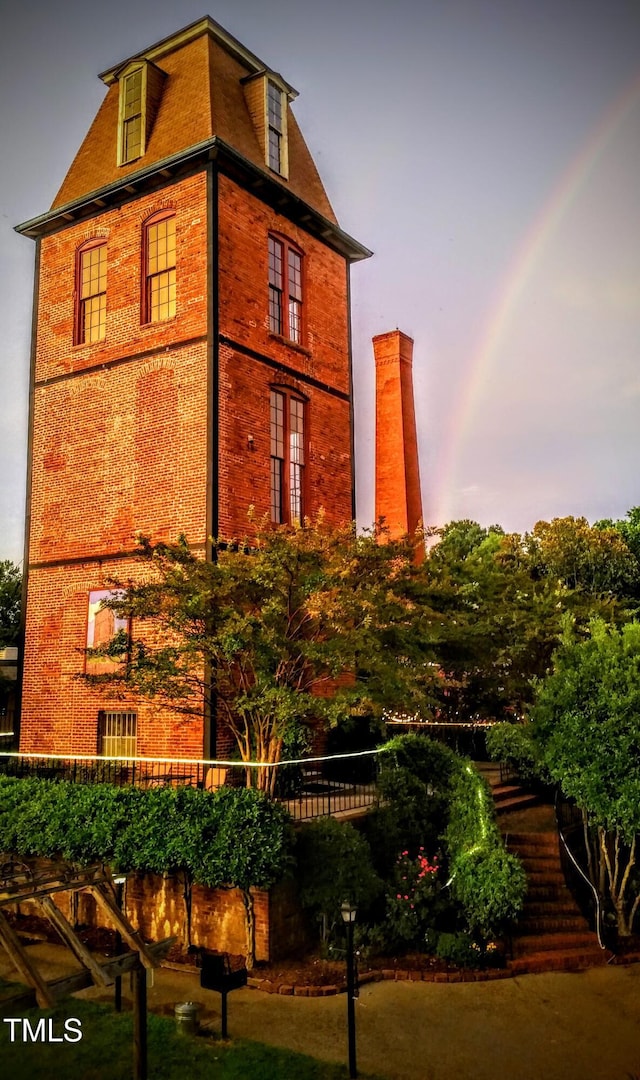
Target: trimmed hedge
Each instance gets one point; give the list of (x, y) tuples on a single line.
[(487, 881), (231, 837)]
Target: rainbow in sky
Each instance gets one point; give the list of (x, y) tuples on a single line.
[(512, 288)]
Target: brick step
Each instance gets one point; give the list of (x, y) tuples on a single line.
[(533, 851), (516, 802), (539, 864), (546, 878), (554, 907), (568, 960), (533, 839), (537, 925), (556, 942), (547, 894)]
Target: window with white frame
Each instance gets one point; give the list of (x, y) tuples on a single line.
[(287, 438), (285, 290)]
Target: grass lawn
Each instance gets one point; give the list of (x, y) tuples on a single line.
[(106, 1052)]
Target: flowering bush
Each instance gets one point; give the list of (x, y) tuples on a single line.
[(414, 901)]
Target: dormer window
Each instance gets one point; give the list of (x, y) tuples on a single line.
[(267, 96), (140, 90), (276, 113), (131, 133)]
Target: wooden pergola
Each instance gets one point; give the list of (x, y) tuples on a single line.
[(38, 881)]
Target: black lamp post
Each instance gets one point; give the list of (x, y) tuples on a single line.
[(119, 883), (349, 915)]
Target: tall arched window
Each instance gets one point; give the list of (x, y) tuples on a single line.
[(159, 300), (288, 456), (91, 292)]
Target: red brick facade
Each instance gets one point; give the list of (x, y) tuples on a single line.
[(162, 427)]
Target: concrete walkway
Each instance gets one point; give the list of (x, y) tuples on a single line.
[(555, 1026)]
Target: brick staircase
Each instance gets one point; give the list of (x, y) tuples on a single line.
[(551, 933), (507, 796)]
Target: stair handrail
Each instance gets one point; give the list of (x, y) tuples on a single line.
[(581, 872)]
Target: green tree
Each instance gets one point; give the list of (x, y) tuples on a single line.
[(296, 627), (10, 597), (500, 623), (587, 724), (593, 559), (504, 599)]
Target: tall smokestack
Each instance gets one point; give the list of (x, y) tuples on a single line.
[(398, 497)]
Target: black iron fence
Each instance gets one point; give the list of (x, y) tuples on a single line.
[(309, 788), (468, 738)]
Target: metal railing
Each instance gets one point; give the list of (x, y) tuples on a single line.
[(307, 787), (574, 862), (468, 738)]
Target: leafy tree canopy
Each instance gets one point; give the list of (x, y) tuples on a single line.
[(587, 722), (10, 595), (292, 627)]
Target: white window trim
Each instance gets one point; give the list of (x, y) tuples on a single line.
[(129, 70), (284, 145)]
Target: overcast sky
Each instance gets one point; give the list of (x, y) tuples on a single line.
[(488, 151)]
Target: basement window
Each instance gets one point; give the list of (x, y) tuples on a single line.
[(117, 734)]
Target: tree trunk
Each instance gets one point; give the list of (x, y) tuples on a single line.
[(247, 900)]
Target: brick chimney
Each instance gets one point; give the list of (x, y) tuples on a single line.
[(398, 497)]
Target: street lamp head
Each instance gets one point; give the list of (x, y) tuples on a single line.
[(349, 912)]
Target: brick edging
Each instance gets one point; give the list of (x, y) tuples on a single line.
[(267, 986)]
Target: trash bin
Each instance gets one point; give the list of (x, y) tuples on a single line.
[(187, 1014)]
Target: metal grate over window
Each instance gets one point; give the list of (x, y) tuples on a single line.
[(117, 734)]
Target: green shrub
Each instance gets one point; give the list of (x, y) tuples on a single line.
[(430, 790), (415, 777), (461, 949), (334, 865), (513, 745), (415, 901), (231, 837), (490, 886)]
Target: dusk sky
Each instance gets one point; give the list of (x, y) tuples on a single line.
[(487, 151)]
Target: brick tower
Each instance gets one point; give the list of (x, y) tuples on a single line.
[(398, 496), (191, 358)]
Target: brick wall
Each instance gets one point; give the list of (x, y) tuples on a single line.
[(155, 906), (120, 431)]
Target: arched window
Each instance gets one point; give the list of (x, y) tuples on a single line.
[(159, 300), (91, 292)]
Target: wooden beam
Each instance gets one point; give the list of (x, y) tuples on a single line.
[(81, 980), (24, 887), (131, 936), (22, 962), (69, 936)]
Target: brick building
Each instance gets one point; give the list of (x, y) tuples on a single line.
[(190, 358)]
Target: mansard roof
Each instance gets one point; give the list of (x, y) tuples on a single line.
[(202, 98)]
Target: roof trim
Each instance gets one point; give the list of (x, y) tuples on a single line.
[(207, 25), (230, 162)]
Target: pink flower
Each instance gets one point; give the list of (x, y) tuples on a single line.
[(398, 897)]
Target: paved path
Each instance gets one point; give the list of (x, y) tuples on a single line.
[(555, 1026)]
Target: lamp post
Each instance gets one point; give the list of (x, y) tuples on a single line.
[(119, 883), (349, 915)]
